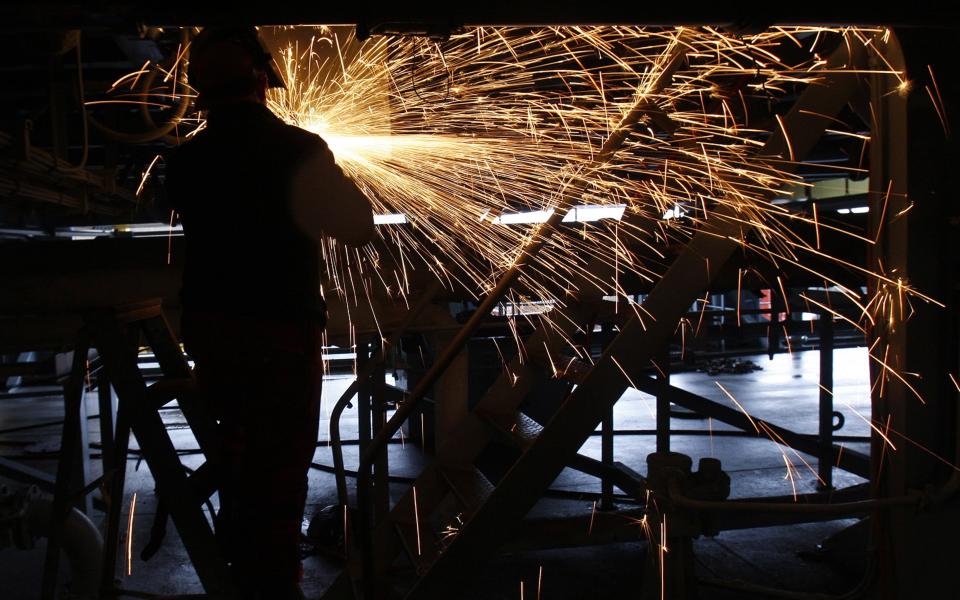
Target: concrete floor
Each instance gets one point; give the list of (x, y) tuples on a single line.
[(784, 392)]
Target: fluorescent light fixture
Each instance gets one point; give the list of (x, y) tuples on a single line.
[(590, 213), (391, 219), (578, 214), (151, 228), (534, 216), (857, 210), (587, 213), (339, 356)]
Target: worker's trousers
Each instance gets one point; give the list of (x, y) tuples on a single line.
[(261, 379)]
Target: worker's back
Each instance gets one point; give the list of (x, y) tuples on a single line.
[(231, 188)]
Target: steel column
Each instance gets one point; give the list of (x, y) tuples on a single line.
[(663, 400), (825, 458), (606, 458)]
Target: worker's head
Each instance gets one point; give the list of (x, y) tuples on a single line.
[(230, 64)]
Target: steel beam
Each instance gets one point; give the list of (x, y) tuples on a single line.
[(438, 20)]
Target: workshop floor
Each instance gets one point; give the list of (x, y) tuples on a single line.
[(784, 392)]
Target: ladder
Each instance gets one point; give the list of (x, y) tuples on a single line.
[(116, 333)]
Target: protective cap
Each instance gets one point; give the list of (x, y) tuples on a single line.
[(224, 62)]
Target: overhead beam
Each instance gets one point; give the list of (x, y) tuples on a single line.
[(47, 14)]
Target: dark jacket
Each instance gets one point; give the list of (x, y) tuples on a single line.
[(230, 185)]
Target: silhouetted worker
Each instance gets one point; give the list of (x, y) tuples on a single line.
[(255, 197)]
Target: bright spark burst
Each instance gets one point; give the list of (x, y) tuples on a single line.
[(454, 137)]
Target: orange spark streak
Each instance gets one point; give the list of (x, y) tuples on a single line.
[(786, 138), (539, 582), (703, 309), (416, 519), (938, 102), (883, 211), (816, 225), (663, 551), (739, 406), (130, 517), (896, 374), (739, 290), (146, 175), (346, 530), (786, 337), (593, 515), (789, 476), (783, 294), (173, 217)]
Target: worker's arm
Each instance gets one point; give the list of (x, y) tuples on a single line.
[(324, 201)]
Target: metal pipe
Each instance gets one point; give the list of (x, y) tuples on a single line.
[(825, 458), (336, 446), (173, 140), (663, 401), (837, 508), (186, 100), (606, 456)]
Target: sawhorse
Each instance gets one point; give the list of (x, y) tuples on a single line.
[(116, 333)]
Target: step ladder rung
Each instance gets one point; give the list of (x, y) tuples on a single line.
[(469, 486), (164, 391), (517, 428)]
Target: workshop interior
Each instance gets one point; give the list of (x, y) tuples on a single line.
[(660, 301)]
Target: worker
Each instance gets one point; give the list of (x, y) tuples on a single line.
[(257, 197)]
